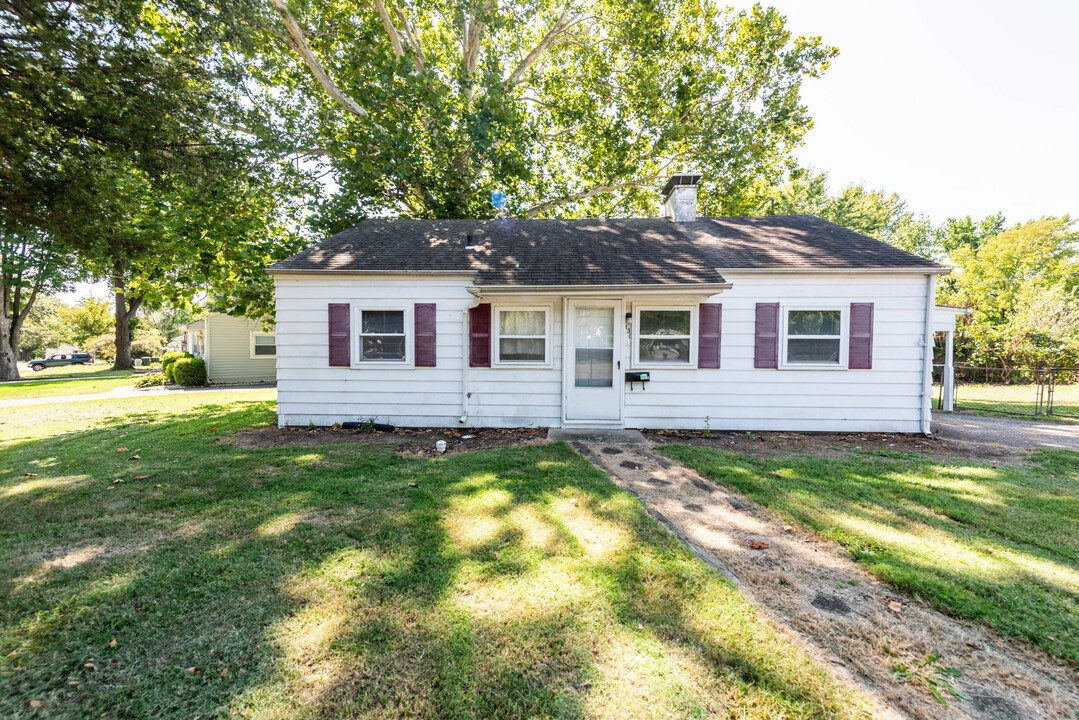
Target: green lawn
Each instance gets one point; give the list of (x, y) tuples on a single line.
[(351, 581), (1000, 544), (1016, 399), (53, 388), (98, 368)]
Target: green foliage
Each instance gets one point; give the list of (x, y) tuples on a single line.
[(170, 320), (1023, 288), (144, 343), (874, 213), (188, 372), (171, 357), (151, 380), (956, 233), (90, 317), (573, 110)]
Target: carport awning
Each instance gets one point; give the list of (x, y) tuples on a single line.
[(944, 317)]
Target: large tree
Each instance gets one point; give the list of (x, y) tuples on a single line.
[(129, 113), (572, 108), (1022, 286), (32, 265)]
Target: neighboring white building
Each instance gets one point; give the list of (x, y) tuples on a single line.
[(742, 323), (236, 349)]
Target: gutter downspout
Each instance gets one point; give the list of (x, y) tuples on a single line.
[(927, 356), (465, 359)]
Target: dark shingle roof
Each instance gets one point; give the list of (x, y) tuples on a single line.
[(630, 251)]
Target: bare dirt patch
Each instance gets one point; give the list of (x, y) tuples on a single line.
[(836, 445), (414, 442), (845, 616)]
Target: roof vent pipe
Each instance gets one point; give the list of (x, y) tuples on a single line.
[(680, 197)]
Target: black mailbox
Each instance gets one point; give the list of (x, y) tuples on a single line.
[(632, 377)]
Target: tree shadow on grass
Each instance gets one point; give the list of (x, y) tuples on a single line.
[(322, 582), (991, 543)]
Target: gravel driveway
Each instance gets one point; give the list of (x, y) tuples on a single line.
[(1014, 433)]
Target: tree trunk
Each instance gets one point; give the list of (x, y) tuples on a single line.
[(125, 310), (9, 347)]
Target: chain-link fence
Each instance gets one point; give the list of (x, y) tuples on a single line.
[(1063, 395), (1012, 391)]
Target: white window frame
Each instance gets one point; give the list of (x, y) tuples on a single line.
[(496, 336), (635, 340), (844, 336), (357, 336), (259, 333)]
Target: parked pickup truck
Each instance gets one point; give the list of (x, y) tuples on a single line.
[(58, 360)]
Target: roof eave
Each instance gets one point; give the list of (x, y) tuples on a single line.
[(368, 273), (909, 270), (663, 288)]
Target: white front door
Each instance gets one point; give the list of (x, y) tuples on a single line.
[(592, 361)]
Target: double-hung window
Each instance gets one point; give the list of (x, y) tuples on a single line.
[(383, 335), (522, 335), (813, 337), (263, 345), (663, 336)]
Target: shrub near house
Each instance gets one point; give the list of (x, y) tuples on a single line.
[(171, 357), (188, 371)]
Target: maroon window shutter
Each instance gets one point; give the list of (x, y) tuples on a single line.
[(339, 335), (424, 328), (479, 335), (766, 345), (860, 355), (710, 320)]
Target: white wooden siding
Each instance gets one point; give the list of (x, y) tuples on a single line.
[(737, 396), (228, 350), (310, 391)]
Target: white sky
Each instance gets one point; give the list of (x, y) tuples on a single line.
[(962, 107)]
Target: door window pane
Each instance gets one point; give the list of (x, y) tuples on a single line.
[(594, 354)]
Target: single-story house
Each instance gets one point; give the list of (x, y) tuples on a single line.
[(728, 323), (236, 349)]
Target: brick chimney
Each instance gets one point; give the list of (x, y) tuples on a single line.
[(680, 198)]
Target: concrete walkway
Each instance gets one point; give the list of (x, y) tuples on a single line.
[(128, 391), (844, 616), (1009, 433)]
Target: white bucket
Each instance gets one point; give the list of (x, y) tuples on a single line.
[(440, 446)]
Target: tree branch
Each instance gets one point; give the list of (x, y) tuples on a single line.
[(561, 26), (299, 44), (387, 22), (413, 38), (599, 190)]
